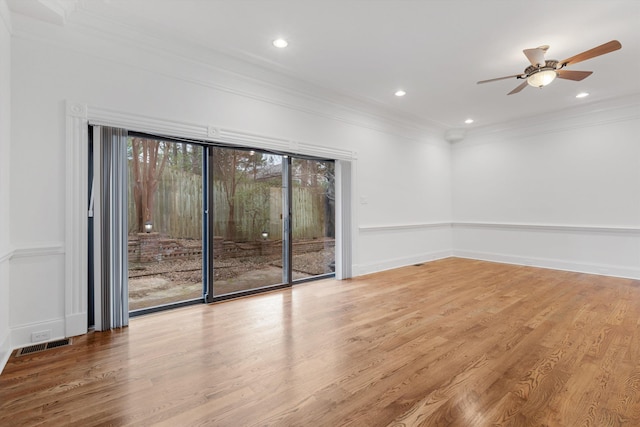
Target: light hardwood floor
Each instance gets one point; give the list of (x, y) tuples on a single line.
[(453, 342)]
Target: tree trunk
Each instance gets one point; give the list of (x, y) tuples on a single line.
[(146, 173), (231, 200)]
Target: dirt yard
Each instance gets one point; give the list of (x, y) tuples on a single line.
[(173, 280)]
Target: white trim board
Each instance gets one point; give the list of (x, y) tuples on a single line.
[(504, 225), (5, 16), (38, 250), (587, 268), (608, 111), (21, 335), (375, 267), (5, 350), (202, 132), (45, 249), (549, 227), (392, 227), (6, 256)]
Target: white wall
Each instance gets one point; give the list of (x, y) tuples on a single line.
[(5, 150), (553, 193), (406, 206), (53, 64)]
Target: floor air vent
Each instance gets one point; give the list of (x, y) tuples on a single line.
[(42, 347)]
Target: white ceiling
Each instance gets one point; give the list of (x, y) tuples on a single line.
[(364, 50)]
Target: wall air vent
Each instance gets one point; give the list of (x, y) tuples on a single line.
[(42, 347)]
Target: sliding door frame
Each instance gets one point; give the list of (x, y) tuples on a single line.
[(287, 213), (77, 119)]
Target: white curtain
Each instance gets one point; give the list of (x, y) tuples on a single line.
[(110, 228)]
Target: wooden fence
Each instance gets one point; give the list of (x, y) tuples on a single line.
[(258, 207)]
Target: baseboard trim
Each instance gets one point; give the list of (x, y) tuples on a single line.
[(21, 335), (553, 264), (76, 324), (5, 351), (376, 267)]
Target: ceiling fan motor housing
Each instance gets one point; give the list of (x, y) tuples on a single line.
[(548, 70), (550, 64)]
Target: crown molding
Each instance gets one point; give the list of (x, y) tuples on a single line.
[(61, 8), (278, 86), (612, 110), (54, 12), (5, 15), (95, 36), (272, 75)]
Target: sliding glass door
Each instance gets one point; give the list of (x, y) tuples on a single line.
[(165, 244), (313, 218), (209, 222), (247, 216)]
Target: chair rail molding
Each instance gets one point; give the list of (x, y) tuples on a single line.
[(409, 226), (6, 256), (43, 249), (549, 227)]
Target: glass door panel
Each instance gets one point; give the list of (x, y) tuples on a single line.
[(165, 222), (247, 205), (313, 218)]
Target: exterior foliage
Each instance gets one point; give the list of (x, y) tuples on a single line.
[(166, 186)]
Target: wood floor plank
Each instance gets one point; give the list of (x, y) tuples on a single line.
[(452, 342)]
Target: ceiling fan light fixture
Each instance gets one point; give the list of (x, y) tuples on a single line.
[(541, 78), (280, 43)]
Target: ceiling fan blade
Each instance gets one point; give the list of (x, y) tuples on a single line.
[(536, 56), (518, 76), (592, 53), (519, 88), (573, 75)]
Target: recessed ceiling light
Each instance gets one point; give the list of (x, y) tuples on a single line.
[(582, 95), (281, 43), (468, 121), (400, 93)]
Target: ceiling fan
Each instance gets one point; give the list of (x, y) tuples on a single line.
[(541, 72)]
